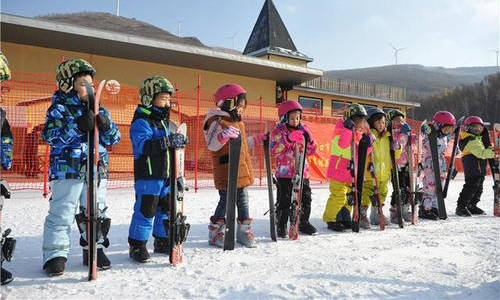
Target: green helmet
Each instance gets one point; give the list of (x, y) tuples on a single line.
[(152, 86), (391, 114), (4, 68), (355, 110), (66, 71)]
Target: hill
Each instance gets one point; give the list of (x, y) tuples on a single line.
[(421, 81)]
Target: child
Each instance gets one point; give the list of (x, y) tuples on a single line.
[(381, 160), (284, 137), (219, 126), (337, 214), (66, 126), (7, 145), (400, 131), (150, 134), (474, 158), (444, 122)]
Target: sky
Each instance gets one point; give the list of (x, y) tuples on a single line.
[(337, 34)]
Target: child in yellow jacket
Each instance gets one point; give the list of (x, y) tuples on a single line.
[(381, 160)]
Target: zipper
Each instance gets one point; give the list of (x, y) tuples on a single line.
[(148, 161)]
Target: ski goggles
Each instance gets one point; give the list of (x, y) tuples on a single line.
[(239, 101)]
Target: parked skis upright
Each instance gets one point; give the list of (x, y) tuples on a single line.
[(234, 161), (178, 229), (272, 205), (494, 165), (452, 172), (297, 180), (375, 197), (395, 182), (437, 175)]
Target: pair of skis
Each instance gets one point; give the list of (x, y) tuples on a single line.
[(494, 166), (357, 168)]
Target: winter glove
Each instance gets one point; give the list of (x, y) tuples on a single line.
[(103, 122), (395, 145), (296, 136), (177, 140), (85, 122), (426, 129), (228, 133), (405, 128), (349, 124)]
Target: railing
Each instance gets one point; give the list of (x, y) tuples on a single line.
[(358, 88)]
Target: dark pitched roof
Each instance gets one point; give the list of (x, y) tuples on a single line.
[(269, 31), (109, 22)]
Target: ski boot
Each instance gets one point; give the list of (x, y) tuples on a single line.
[(474, 210), (363, 220), (138, 251), (6, 277), (55, 266), (426, 214), (244, 234), (462, 211), (374, 217), (406, 213), (216, 231), (161, 245), (103, 262), (305, 226), (336, 226)]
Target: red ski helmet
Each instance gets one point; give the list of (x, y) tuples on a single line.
[(288, 106), (443, 118), (228, 91), (473, 120)]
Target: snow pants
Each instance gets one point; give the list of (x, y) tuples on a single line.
[(284, 195), (368, 191), (150, 210), (337, 206), (241, 204), (471, 192), (429, 199), (67, 196)]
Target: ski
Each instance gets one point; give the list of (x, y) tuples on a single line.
[(375, 197), (232, 189), (437, 174), (411, 179), (395, 182), (297, 180), (92, 178), (452, 172), (178, 229), (494, 166), (272, 206)]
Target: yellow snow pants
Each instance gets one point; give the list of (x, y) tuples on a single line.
[(336, 200), (368, 191)]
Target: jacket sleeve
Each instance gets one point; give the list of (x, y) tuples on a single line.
[(477, 149), (60, 129), (345, 137), (7, 142), (111, 136), (143, 141), (311, 146)]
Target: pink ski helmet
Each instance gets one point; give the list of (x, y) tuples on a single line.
[(228, 91), (443, 118), (288, 106), (473, 120)]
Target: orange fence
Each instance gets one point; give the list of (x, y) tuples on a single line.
[(27, 96)]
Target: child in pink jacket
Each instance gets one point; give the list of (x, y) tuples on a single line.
[(284, 138)]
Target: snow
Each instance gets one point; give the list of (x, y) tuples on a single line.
[(457, 258)]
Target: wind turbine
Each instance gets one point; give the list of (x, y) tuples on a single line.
[(496, 52), (232, 37), (396, 51), (117, 7)]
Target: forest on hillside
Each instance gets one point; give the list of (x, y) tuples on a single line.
[(481, 99)]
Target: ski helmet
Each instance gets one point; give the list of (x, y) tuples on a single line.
[(152, 86), (288, 106), (443, 118), (473, 120), (4, 68), (229, 91), (391, 114), (355, 110), (373, 114), (66, 71)]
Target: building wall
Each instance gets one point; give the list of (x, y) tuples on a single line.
[(327, 100), (26, 58)]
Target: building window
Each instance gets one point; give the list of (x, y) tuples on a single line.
[(311, 105), (338, 107)]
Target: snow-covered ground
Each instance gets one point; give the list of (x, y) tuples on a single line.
[(457, 258)]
